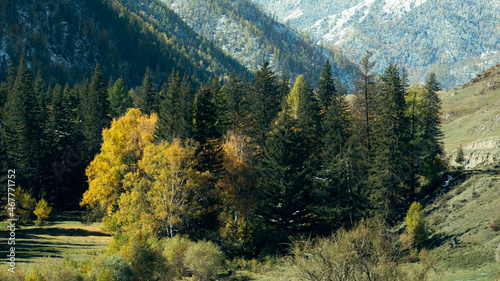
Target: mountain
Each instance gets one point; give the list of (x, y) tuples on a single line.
[(471, 114), (455, 39), (65, 39), (245, 32)]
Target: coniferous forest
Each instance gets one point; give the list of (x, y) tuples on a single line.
[(249, 163)]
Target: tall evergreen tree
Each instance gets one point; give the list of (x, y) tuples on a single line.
[(263, 102), (23, 128), (432, 135), (146, 98), (229, 102), (326, 89), (205, 130), (174, 116), (285, 188), (94, 112), (208, 158), (308, 115), (364, 98), (390, 169), (118, 98)]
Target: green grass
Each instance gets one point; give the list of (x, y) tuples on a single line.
[(66, 237), (471, 114)]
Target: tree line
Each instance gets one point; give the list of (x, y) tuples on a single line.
[(247, 164)]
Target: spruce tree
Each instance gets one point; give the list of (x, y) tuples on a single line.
[(208, 159), (263, 102), (432, 132), (146, 98), (118, 98), (286, 183), (390, 169), (229, 102), (308, 115), (205, 131), (326, 89), (175, 109), (23, 129), (94, 112)]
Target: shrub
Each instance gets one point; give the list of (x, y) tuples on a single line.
[(204, 260), (416, 226), (175, 250), (35, 275), (42, 211), (25, 206), (112, 267), (365, 253), (143, 254)]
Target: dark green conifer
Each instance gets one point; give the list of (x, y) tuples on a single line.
[(390, 168), (263, 101), (326, 89), (118, 98), (146, 97), (94, 112), (175, 117)]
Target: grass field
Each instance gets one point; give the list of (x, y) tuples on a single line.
[(64, 237)]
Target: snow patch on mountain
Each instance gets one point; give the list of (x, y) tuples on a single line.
[(338, 24), (293, 15), (399, 7)]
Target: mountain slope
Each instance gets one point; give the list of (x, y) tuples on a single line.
[(456, 39), (471, 116), (241, 29), (66, 39)]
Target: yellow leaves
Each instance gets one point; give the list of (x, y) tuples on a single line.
[(293, 96), (122, 148)]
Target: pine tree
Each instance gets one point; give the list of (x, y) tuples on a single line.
[(308, 115), (432, 133), (23, 128), (146, 98), (175, 107), (286, 184), (208, 158), (263, 102), (390, 169), (326, 89), (229, 102), (119, 100), (339, 194), (94, 112)]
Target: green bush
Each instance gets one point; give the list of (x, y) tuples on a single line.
[(144, 255), (109, 268), (365, 253), (174, 251), (204, 260)]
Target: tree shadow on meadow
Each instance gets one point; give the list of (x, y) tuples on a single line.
[(32, 243)]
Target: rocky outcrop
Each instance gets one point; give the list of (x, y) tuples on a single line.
[(481, 154)]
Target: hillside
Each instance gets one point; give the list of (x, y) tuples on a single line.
[(66, 39), (455, 39), (246, 33), (471, 118), (468, 201)]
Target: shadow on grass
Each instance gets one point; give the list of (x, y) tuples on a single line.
[(30, 244), (58, 231)]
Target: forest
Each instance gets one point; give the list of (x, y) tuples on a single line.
[(243, 166)]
